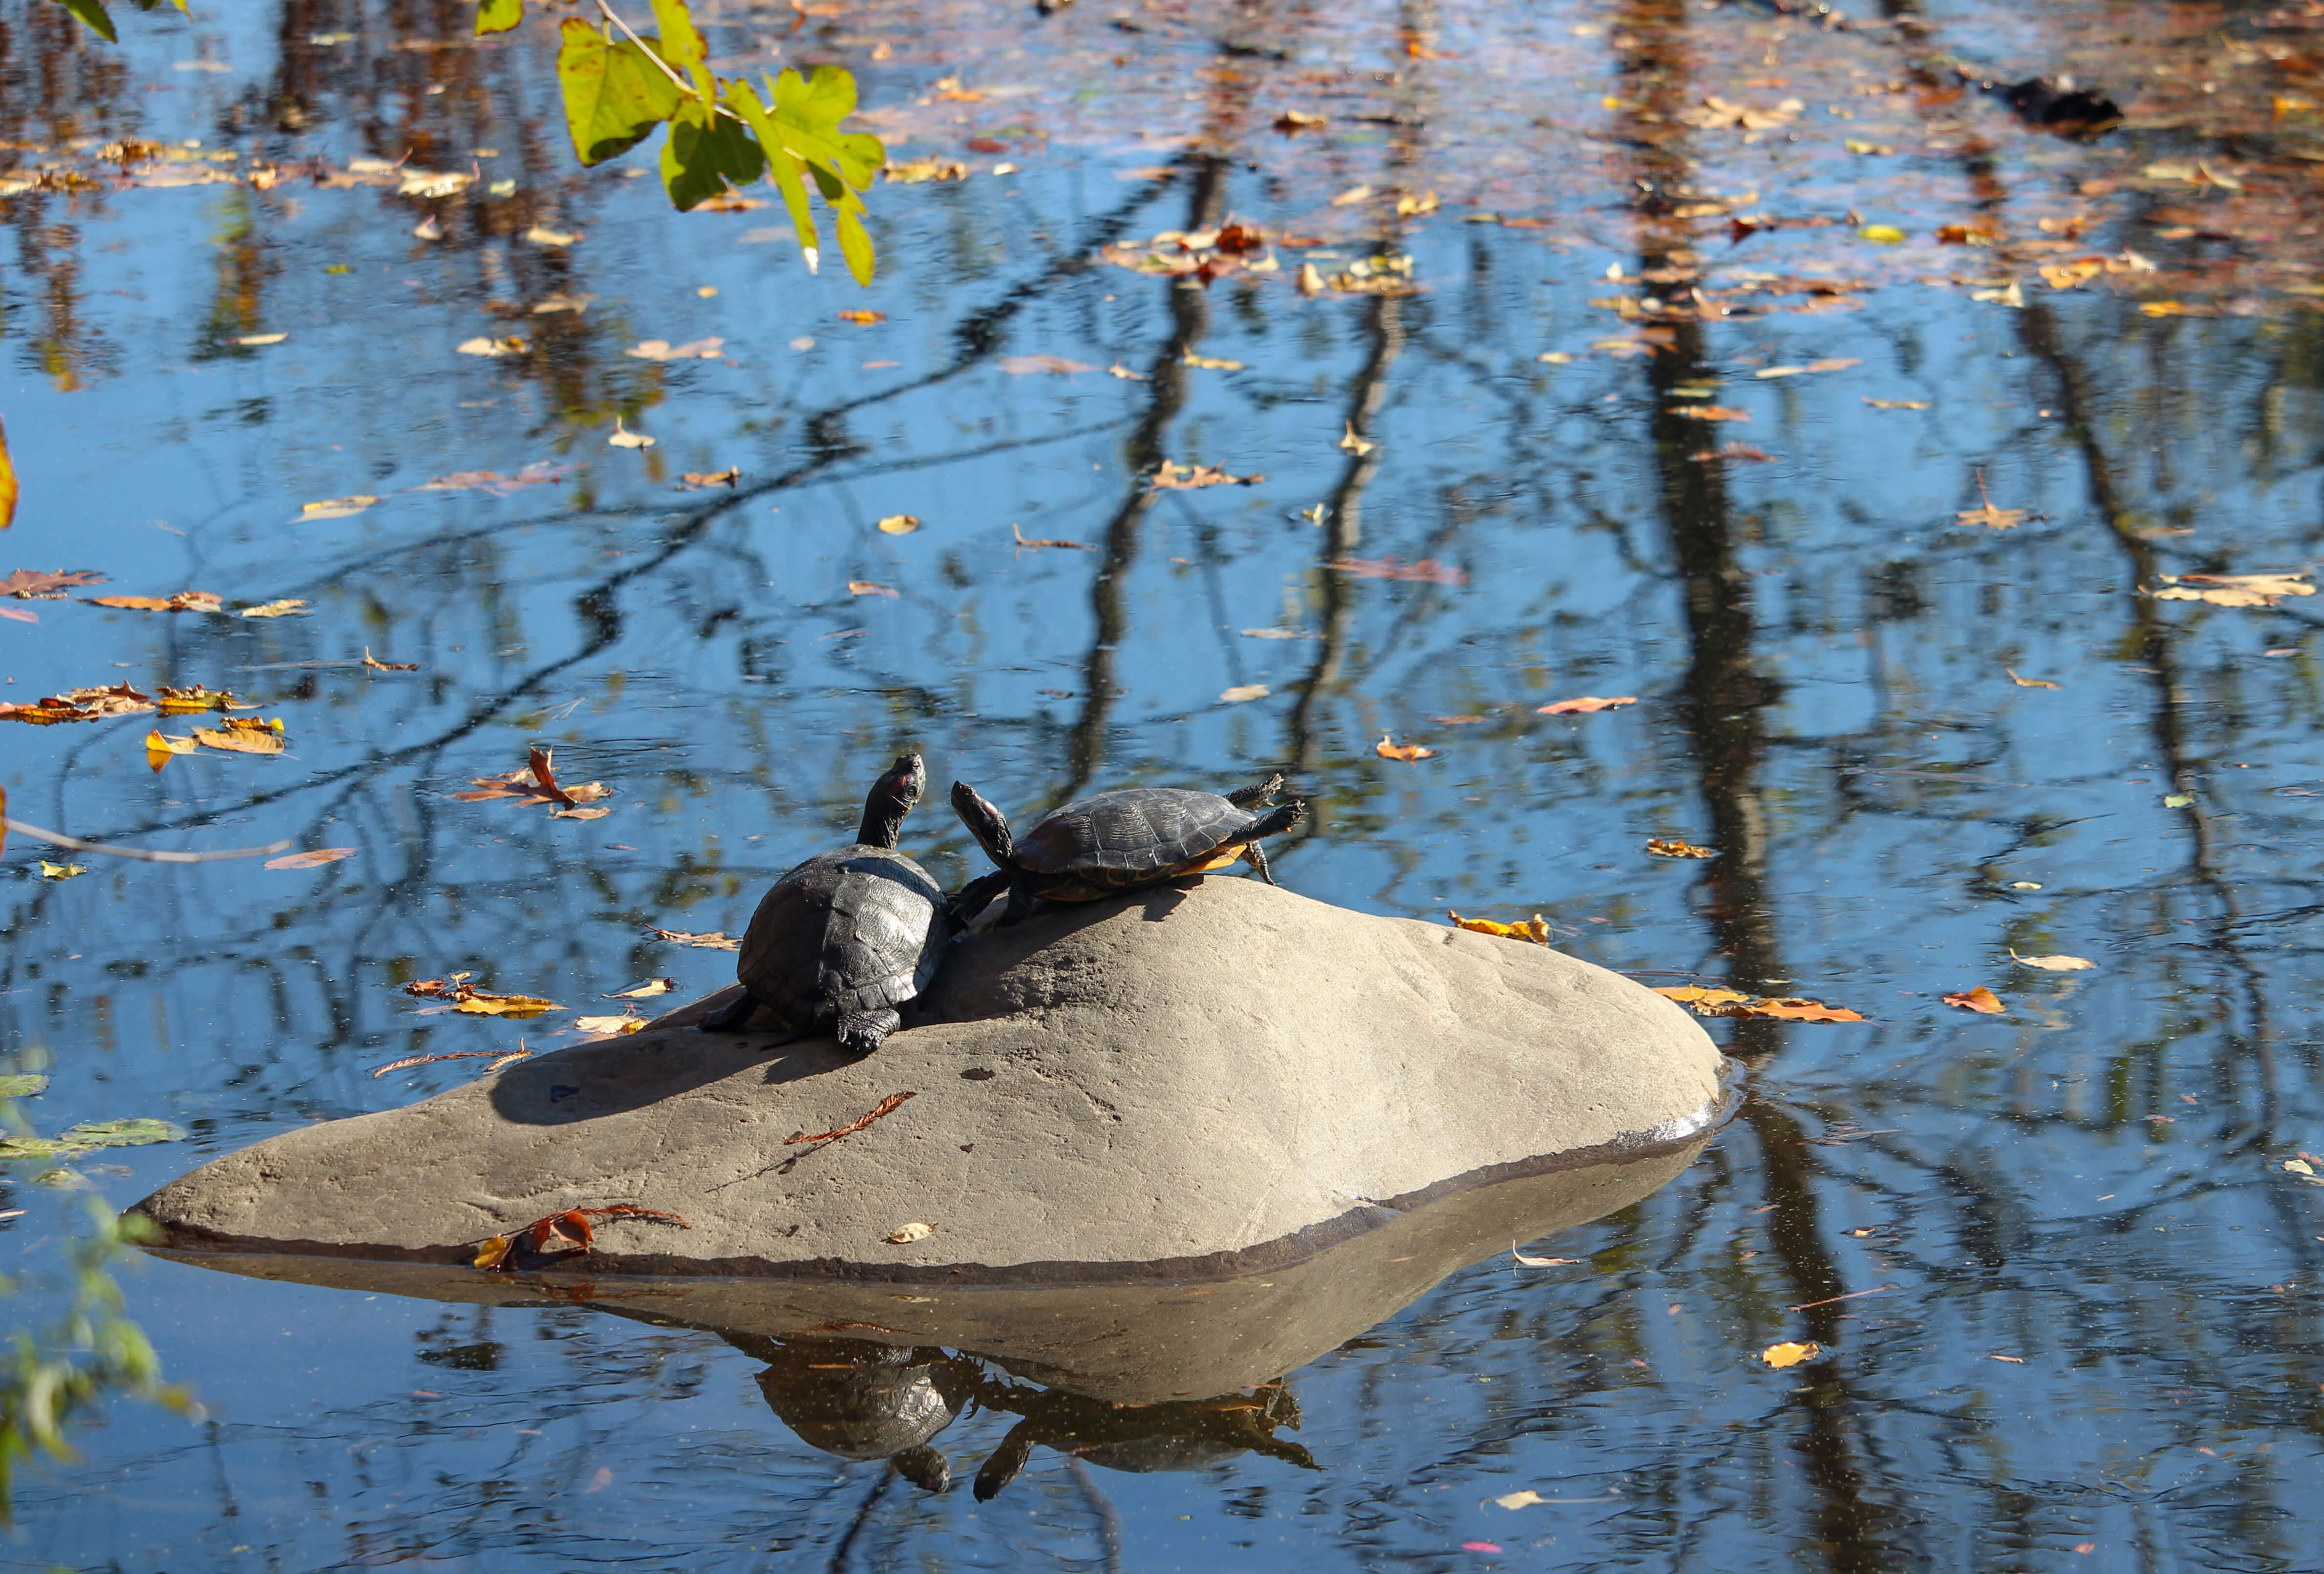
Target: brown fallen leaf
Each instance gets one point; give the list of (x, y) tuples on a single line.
[(907, 172), (243, 735), (1678, 847), (388, 665), (487, 1003), (79, 704), (184, 601), (1586, 703), (540, 473), (2233, 590), (571, 1225), (1293, 121), (537, 784), (1535, 929), (1187, 477), (276, 609), (716, 940), (730, 477), (1836, 363), (1427, 571), (887, 1106), (314, 859), (2056, 962), (1742, 452), (1992, 517), (1031, 366), (497, 1056), (2030, 682), (868, 587), (1541, 1262), (729, 202), (1387, 748), (1979, 998), (32, 584), (1790, 1353), (663, 350), (860, 314)]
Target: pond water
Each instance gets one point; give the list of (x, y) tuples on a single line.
[(1644, 366)]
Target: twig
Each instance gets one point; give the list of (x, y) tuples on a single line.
[(56, 839), (887, 1106), (498, 1057), (1804, 1305)]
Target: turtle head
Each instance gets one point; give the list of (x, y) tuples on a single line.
[(891, 799), (988, 825)]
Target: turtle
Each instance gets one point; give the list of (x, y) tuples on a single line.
[(847, 937), (1116, 842)]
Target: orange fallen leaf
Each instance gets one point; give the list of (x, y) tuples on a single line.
[(1535, 929), (1677, 847), (184, 601), (1188, 477), (1586, 703), (730, 477), (1992, 517), (859, 315), (1387, 748), (494, 1252), (1979, 998), (1790, 1353), (868, 587), (537, 784), (1709, 412), (80, 704), (1715, 1002), (314, 859)]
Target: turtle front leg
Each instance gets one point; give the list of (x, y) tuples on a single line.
[(732, 1017), (1022, 902), (973, 898)]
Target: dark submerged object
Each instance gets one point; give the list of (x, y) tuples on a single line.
[(1116, 842), (2056, 103), (847, 937)]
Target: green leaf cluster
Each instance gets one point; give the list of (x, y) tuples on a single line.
[(93, 1133), (100, 21)]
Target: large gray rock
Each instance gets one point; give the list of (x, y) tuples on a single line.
[(1181, 1082)]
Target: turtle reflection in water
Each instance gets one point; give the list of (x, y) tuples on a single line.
[(865, 1401)]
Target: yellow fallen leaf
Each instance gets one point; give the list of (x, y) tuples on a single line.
[(1790, 1353), (7, 484), (2057, 964), (2030, 682), (1387, 748), (1212, 363), (1882, 234), (275, 609), (644, 991), (257, 339), (243, 735), (1980, 1000), (483, 1003), (159, 749), (867, 587), (492, 1252), (2299, 1167), (1677, 847), (609, 1024), (1351, 196), (898, 525), (541, 235), (1525, 1499), (1355, 445), (1242, 692), (483, 346), (1535, 929), (336, 508), (1711, 1002), (59, 871), (623, 437), (1897, 403), (904, 1235), (859, 315), (2225, 590)]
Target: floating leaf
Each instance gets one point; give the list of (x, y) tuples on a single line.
[(511, 345), (898, 525), (537, 474), (2030, 682), (537, 784), (243, 735), (1355, 445), (904, 1235), (7, 481), (1709, 412), (1210, 363), (1535, 929), (1882, 234), (1298, 120), (276, 609), (24, 1084), (1790, 1353), (2233, 590), (31, 585), (1029, 365), (609, 1024), (336, 508), (1980, 1000), (1528, 1498), (2053, 964), (1541, 1262), (644, 991), (1897, 403), (184, 601), (1188, 477), (1387, 748), (868, 587), (59, 871), (1427, 571), (314, 859), (1714, 1002), (1242, 692), (1677, 847), (663, 350), (96, 1134), (1586, 703), (714, 940), (160, 750), (79, 704), (623, 437)]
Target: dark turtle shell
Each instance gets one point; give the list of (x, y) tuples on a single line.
[(852, 930), (1124, 838)]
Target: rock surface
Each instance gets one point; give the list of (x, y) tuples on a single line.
[(1197, 1080)]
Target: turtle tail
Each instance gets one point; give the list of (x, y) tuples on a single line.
[(861, 1032)]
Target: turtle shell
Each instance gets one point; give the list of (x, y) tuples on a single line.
[(1123, 838), (852, 930)]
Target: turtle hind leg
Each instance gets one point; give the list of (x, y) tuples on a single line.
[(732, 1018), (1255, 855), (861, 1032)]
